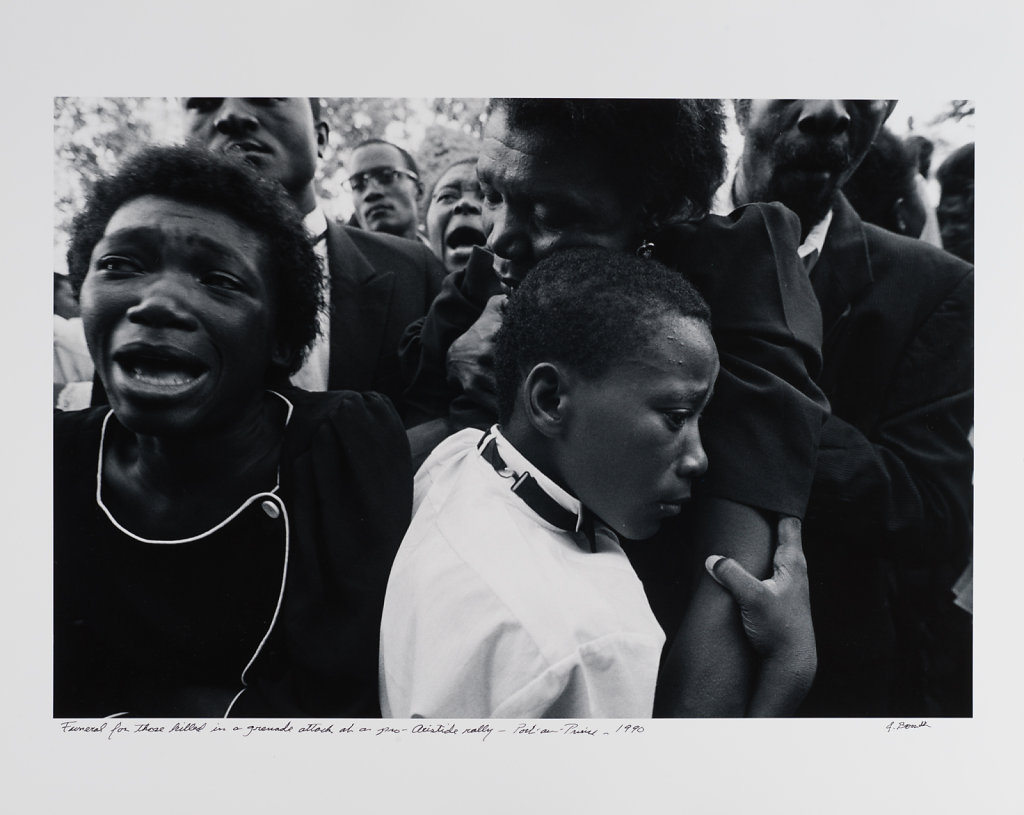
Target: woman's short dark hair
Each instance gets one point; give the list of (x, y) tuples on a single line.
[(191, 175), (666, 154), (586, 308)]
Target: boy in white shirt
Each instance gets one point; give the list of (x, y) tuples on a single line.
[(510, 595)]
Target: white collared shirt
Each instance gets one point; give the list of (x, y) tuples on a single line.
[(492, 612), (313, 374)]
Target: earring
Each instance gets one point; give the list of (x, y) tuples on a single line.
[(646, 249)]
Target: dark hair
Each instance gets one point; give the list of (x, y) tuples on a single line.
[(956, 173), (192, 175), (410, 162), (886, 176), (586, 308), (667, 154), (314, 103)]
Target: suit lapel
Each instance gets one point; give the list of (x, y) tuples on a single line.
[(842, 271), (360, 296)]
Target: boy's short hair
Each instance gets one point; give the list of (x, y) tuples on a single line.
[(192, 175), (587, 309)]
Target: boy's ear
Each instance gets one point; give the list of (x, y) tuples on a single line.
[(546, 391)]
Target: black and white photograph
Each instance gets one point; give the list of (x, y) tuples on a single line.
[(628, 433)]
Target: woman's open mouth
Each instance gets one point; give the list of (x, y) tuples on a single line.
[(464, 236), (158, 370), (460, 242)]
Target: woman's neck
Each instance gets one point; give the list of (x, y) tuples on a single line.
[(167, 487)]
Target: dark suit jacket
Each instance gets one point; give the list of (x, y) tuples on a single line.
[(893, 481), (379, 285)]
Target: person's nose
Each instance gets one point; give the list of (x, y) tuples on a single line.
[(374, 188), (692, 461), (467, 205), (823, 117), (163, 303), (507, 236), (235, 118)]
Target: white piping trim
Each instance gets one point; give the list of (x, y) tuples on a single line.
[(248, 502), (277, 610), (225, 522)]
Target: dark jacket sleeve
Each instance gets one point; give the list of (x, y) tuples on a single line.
[(762, 426), (424, 347), (901, 466)]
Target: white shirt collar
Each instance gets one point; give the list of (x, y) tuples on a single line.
[(519, 463), (815, 240)]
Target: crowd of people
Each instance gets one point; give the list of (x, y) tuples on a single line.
[(596, 425)]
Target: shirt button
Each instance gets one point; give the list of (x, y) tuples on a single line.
[(273, 510)]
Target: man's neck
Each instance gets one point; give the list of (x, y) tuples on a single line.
[(741, 194), (305, 199)]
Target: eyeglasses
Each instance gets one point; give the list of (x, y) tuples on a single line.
[(384, 176)]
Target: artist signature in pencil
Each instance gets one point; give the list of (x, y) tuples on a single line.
[(889, 728)]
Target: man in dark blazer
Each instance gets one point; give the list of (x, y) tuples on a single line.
[(378, 283), (888, 526)]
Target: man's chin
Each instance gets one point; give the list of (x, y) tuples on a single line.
[(810, 204), (385, 225)]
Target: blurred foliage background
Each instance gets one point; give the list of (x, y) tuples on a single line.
[(93, 134)]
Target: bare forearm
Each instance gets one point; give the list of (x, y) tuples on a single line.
[(710, 668), (782, 683)]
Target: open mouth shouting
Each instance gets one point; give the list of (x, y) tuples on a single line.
[(157, 371), (459, 242)]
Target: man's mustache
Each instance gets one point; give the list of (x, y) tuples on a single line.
[(823, 154)]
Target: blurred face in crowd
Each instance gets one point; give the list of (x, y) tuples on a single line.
[(178, 316), (800, 151), (540, 196), (277, 136), (384, 191), (454, 221), (645, 410)]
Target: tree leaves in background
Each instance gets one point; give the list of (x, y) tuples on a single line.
[(93, 135)]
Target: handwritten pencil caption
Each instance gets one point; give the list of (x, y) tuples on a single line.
[(114, 729)]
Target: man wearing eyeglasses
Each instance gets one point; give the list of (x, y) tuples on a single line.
[(385, 185), (378, 284)]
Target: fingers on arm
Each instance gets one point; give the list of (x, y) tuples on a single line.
[(789, 554), (741, 584)]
